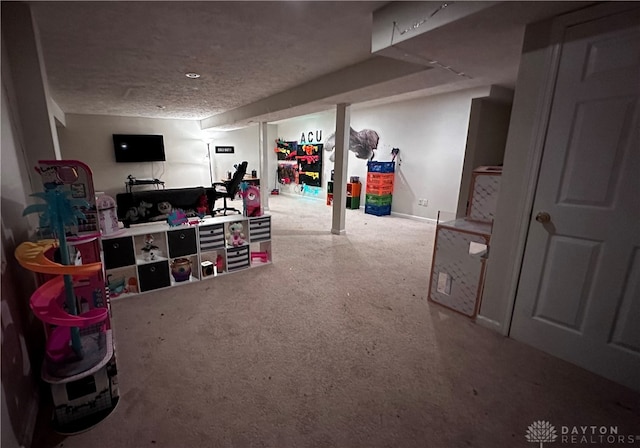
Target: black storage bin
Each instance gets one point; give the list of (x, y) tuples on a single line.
[(154, 276), (182, 242), (118, 252)]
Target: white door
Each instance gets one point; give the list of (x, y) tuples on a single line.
[(579, 291)]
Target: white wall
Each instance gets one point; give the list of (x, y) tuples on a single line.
[(29, 88), (88, 138), (486, 139), (19, 342), (246, 145), (431, 133)]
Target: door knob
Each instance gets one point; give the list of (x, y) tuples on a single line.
[(543, 217)]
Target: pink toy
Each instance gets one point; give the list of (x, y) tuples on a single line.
[(251, 199), (107, 215), (72, 299), (48, 301), (262, 256)]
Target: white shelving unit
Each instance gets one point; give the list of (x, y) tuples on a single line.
[(130, 272)]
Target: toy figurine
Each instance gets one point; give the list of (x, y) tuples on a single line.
[(165, 209), (203, 206), (251, 200), (107, 215), (177, 217), (219, 264), (150, 251), (236, 237)]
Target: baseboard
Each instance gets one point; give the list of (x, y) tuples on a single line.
[(297, 195), (415, 218), (489, 323)]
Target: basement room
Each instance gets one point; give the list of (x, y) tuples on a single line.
[(320, 224)]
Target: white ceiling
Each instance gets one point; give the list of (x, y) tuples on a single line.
[(130, 58)]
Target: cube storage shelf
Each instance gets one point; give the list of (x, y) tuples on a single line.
[(155, 256), (354, 190)]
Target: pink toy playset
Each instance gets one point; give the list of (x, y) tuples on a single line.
[(72, 301)]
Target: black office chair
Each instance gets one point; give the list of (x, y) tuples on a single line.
[(230, 188)]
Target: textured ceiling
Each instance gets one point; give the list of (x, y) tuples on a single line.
[(130, 58)]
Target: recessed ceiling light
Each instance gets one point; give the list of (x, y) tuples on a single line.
[(192, 75)]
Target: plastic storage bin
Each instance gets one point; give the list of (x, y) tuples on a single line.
[(377, 180), (375, 199), (377, 210), (381, 167)]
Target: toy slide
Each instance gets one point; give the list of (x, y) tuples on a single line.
[(47, 304), (32, 256)]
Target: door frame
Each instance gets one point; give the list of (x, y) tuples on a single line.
[(534, 95)]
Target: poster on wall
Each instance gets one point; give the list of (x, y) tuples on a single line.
[(309, 157), (286, 150)]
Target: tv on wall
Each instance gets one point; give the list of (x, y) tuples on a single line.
[(138, 148)]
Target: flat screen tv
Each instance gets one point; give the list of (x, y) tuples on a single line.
[(138, 148)]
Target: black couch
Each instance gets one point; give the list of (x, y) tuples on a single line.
[(151, 205)]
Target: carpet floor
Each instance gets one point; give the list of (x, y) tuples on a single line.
[(334, 345)]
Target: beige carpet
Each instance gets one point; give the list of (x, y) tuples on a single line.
[(334, 345)]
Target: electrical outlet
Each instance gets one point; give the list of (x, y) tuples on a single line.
[(425, 202)]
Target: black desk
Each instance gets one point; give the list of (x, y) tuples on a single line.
[(135, 182)]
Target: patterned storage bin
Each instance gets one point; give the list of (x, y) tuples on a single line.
[(260, 229), (211, 237), (237, 258), (457, 270), (485, 186)]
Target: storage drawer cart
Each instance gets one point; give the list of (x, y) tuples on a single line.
[(483, 197), (354, 190), (461, 248), (380, 181)]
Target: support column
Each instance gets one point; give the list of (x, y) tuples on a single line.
[(343, 124), (264, 166)]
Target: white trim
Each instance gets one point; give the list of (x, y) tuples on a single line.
[(532, 169), (415, 218), (57, 112), (488, 323)]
